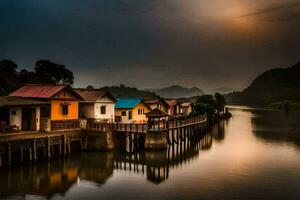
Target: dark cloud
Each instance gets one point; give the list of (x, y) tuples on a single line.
[(205, 43), (282, 12)]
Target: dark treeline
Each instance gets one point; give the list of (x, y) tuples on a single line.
[(124, 91), (45, 72), (213, 106)]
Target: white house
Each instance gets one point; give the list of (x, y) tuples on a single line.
[(97, 104), (20, 114)]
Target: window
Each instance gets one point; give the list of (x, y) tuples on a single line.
[(103, 110), (130, 114), (65, 109), (123, 113), (141, 111)]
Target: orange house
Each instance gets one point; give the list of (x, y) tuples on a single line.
[(63, 110)]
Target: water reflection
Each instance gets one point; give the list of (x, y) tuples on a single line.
[(57, 176), (254, 155), (277, 126)]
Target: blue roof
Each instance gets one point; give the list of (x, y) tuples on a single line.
[(128, 103)]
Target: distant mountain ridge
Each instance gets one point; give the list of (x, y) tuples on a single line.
[(124, 91), (281, 84), (177, 91)]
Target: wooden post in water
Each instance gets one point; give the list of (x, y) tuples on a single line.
[(21, 154), (69, 145), (34, 149), (48, 148), (60, 147), (30, 154), (9, 153), (0, 160), (64, 139)]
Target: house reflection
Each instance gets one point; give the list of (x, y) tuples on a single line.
[(58, 176)]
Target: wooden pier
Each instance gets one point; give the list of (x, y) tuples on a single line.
[(144, 128), (36, 146), (29, 147)]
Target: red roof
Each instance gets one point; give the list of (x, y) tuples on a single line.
[(38, 91)]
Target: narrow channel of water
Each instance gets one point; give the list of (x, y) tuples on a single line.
[(254, 155)]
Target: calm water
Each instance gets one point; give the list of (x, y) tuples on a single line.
[(254, 155)]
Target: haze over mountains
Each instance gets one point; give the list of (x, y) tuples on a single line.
[(276, 85), (177, 91)]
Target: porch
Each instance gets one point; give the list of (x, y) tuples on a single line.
[(20, 115)]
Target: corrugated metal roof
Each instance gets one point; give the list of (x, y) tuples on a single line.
[(38, 91), (127, 103), (19, 101), (92, 95)]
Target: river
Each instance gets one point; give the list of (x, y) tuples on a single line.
[(254, 155)]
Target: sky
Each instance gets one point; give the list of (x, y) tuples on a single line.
[(153, 43)]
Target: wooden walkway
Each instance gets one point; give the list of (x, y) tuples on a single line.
[(143, 128)]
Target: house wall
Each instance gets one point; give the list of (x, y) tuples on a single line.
[(110, 111), (136, 118), (62, 97), (87, 110), (140, 118), (38, 118), (160, 106), (124, 119), (57, 112), (15, 116)]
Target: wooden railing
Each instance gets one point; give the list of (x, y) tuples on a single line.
[(93, 125), (175, 123)]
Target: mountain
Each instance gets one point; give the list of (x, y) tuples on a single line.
[(223, 90), (123, 91), (177, 91), (276, 85)]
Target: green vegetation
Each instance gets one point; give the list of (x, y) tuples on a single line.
[(44, 72), (124, 91), (213, 106), (286, 105), (276, 85)]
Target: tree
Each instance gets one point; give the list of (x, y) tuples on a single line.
[(8, 76), (220, 102), (90, 87), (49, 72), (211, 105)]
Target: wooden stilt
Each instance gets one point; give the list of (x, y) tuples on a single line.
[(30, 154), (21, 154), (64, 144), (48, 148), (60, 148), (9, 153), (69, 146), (34, 150), (0, 160)]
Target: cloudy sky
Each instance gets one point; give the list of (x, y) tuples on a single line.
[(153, 43)]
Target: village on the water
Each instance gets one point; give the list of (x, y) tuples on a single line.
[(53, 118)]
